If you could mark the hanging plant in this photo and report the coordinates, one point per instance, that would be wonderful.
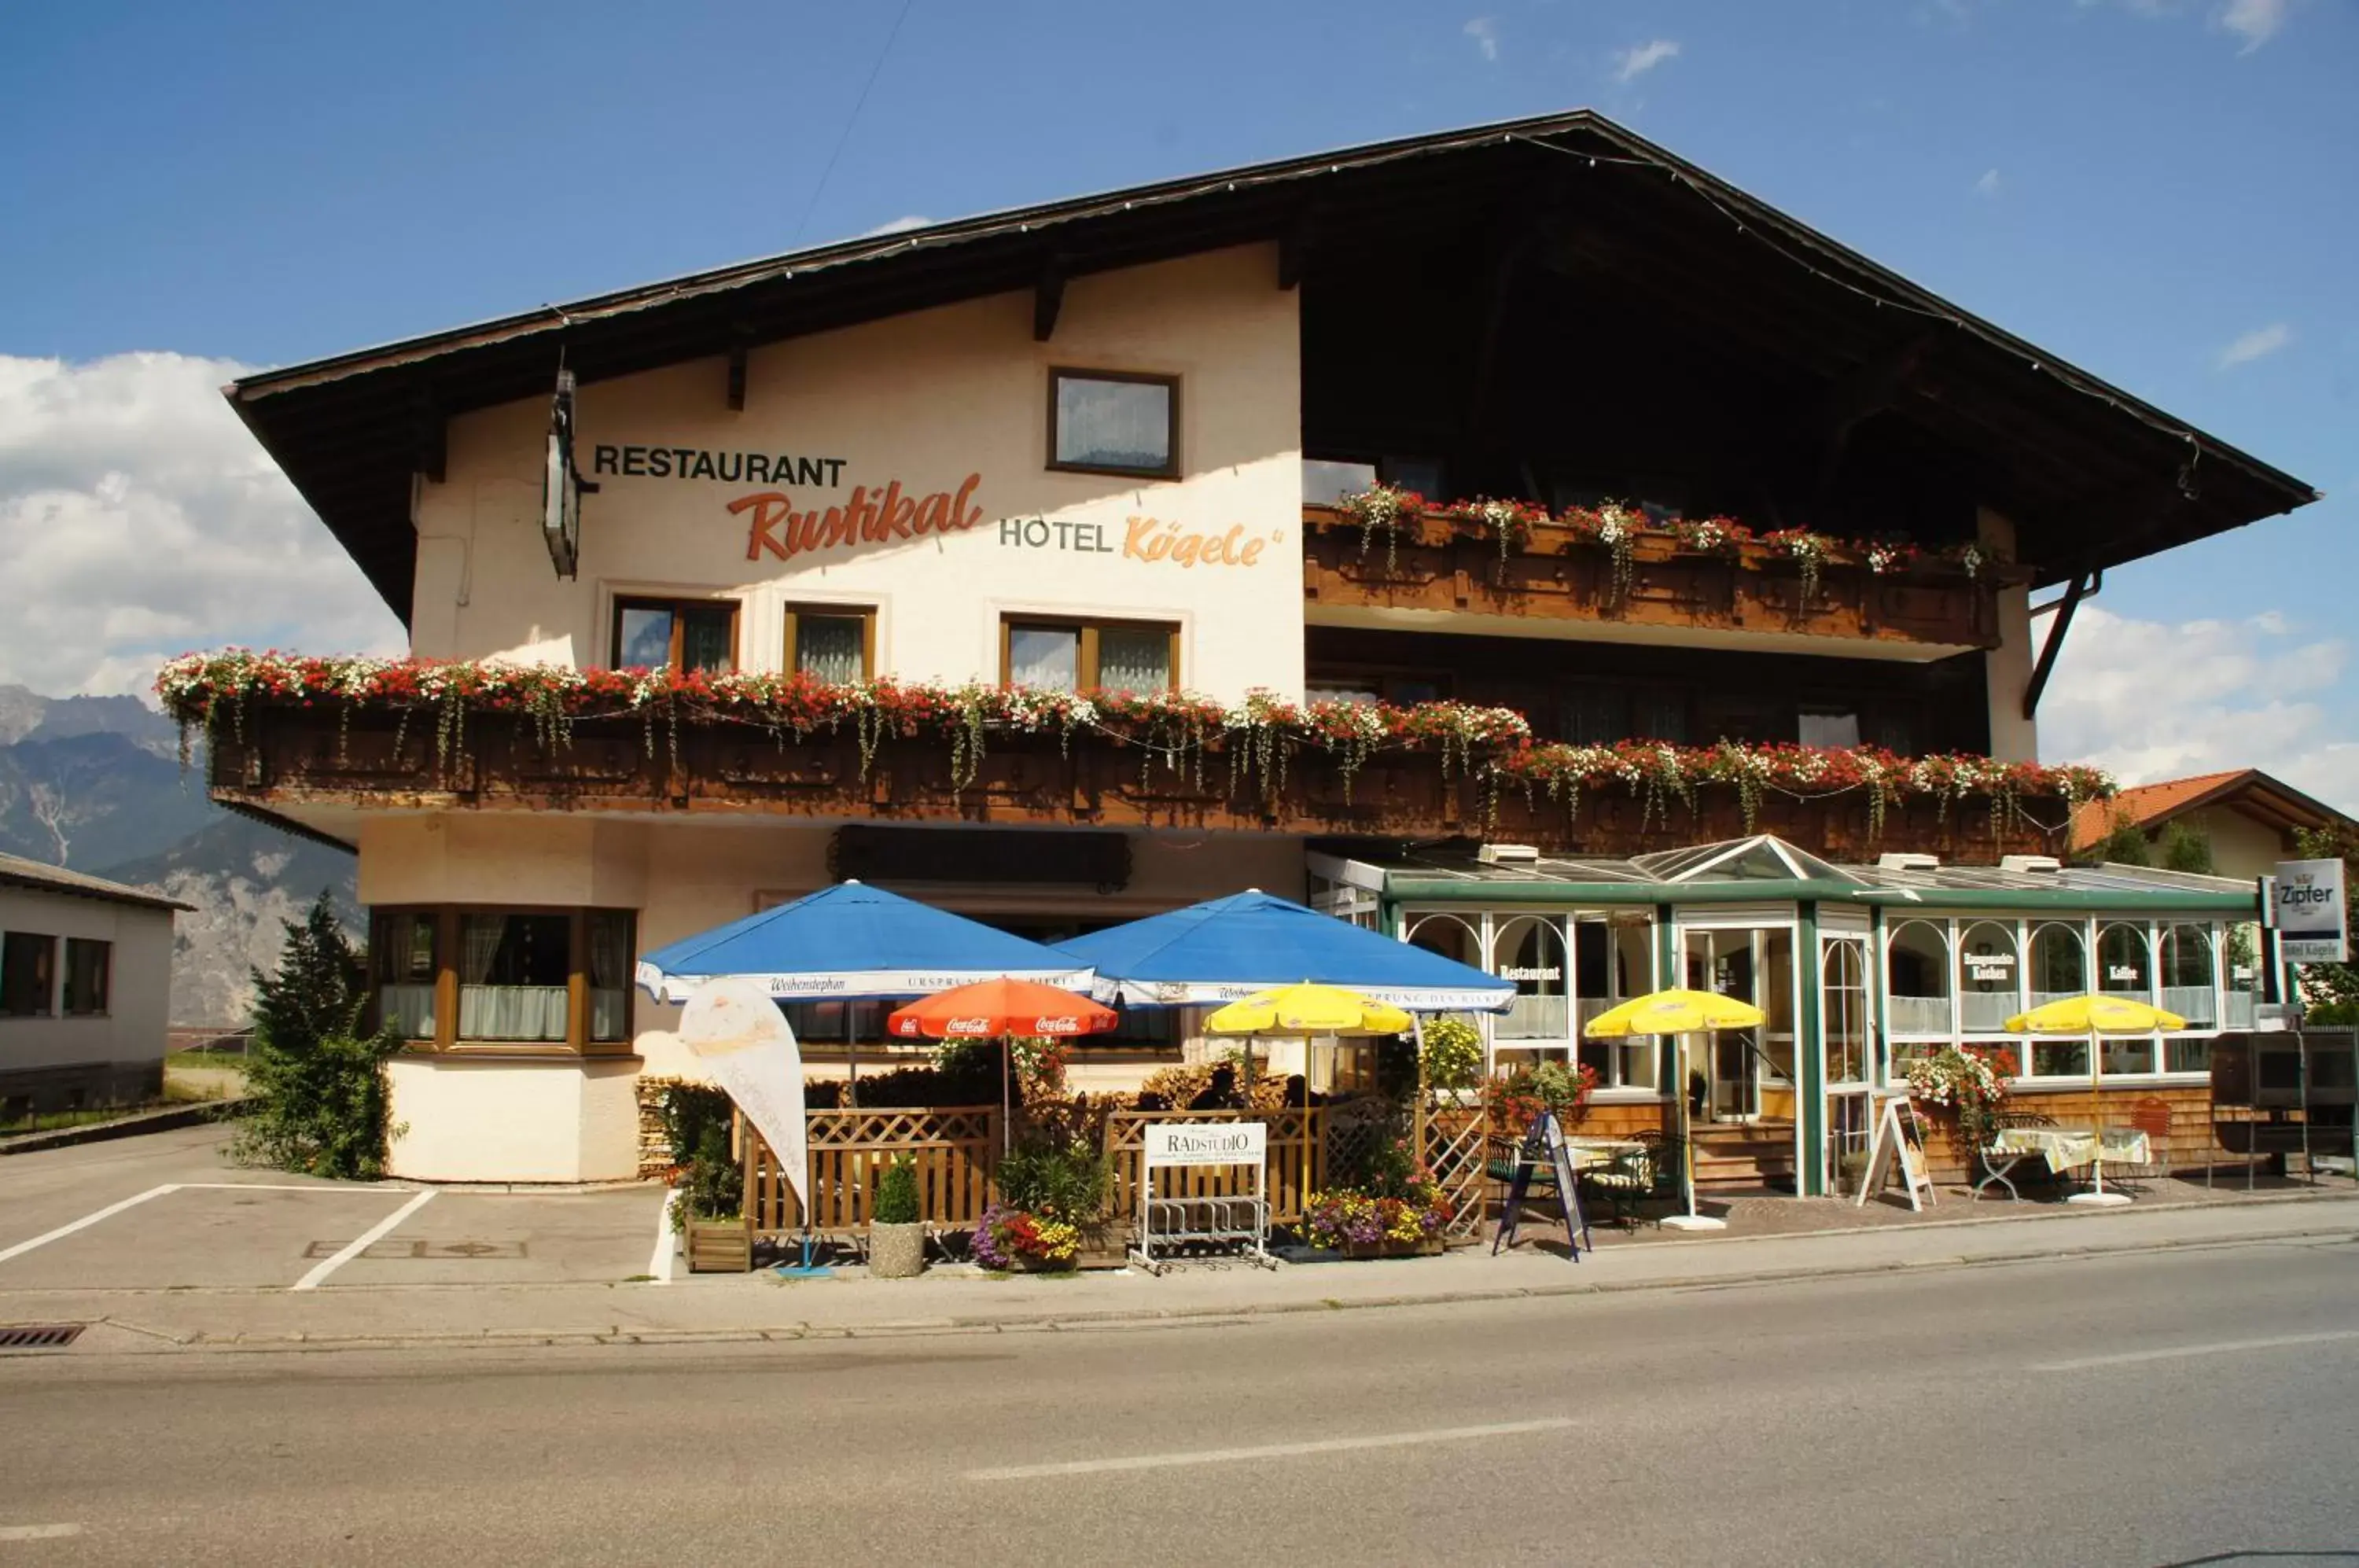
(1387, 509)
(1507, 523)
(1810, 551)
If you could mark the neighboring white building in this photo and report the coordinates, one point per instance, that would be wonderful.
(85, 989)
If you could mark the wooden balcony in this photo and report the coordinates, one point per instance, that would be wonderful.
(314, 765)
(1925, 611)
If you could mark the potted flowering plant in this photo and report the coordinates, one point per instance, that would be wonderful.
(1020, 1239)
(1969, 1082)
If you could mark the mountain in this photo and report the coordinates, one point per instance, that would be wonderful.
(243, 878)
(96, 783)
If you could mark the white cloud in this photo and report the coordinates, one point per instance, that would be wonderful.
(2258, 344)
(1988, 184)
(139, 519)
(2153, 699)
(1631, 63)
(901, 226)
(1484, 31)
(2255, 21)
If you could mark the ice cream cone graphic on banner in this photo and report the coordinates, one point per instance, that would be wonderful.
(737, 1033)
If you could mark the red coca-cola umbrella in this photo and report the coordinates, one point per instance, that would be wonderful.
(997, 1009)
(1001, 1011)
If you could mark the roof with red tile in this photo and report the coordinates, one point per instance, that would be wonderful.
(2247, 790)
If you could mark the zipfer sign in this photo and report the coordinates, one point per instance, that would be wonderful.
(2308, 903)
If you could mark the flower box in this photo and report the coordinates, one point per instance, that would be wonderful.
(719, 1247)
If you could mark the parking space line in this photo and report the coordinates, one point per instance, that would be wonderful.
(362, 1243)
(87, 1221)
(660, 1264)
(38, 1532)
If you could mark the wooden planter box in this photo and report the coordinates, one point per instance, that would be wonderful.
(719, 1247)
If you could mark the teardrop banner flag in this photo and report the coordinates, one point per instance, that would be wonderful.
(737, 1034)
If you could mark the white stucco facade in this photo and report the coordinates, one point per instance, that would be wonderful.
(55, 1055)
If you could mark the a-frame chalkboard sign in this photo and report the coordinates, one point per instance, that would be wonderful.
(1896, 1146)
(1568, 1197)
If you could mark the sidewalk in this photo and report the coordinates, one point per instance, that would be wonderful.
(952, 1300)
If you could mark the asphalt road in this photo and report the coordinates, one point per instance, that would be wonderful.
(2158, 1409)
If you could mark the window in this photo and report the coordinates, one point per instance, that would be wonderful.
(2241, 970)
(1843, 1008)
(87, 972)
(1401, 688)
(402, 961)
(1111, 421)
(462, 976)
(1326, 482)
(688, 633)
(1827, 728)
(2187, 988)
(2060, 965)
(1658, 714)
(1529, 950)
(1917, 978)
(834, 643)
(29, 975)
(1990, 990)
(1090, 656)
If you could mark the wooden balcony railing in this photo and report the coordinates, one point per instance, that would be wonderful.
(1555, 573)
(300, 761)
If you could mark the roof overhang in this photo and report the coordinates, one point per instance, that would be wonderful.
(2100, 475)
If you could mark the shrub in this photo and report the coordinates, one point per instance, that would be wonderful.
(715, 1184)
(1065, 1178)
(896, 1193)
(1516, 1098)
(322, 1105)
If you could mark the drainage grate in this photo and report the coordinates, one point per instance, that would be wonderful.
(39, 1336)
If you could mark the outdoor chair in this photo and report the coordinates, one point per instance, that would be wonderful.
(1998, 1170)
(2152, 1117)
(1621, 1185)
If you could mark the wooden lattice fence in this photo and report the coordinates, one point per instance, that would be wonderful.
(955, 1148)
(1298, 1160)
(1457, 1141)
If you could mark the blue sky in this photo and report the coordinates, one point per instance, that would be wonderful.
(2165, 191)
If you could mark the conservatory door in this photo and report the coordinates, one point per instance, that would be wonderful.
(1848, 1038)
(1744, 1075)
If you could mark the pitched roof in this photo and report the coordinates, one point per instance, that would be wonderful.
(16, 871)
(2246, 790)
(2094, 474)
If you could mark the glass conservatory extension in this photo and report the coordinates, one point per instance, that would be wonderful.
(1856, 969)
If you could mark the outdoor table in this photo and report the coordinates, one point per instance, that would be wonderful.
(2063, 1148)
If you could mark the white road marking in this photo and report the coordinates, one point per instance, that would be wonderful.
(1269, 1451)
(277, 1187)
(660, 1265)
(2184, 1352)
(37, 1532)
(87, 1221)
(362, 1243)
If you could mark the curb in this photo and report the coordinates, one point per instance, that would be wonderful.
(190, 1114)
(1114, 1320)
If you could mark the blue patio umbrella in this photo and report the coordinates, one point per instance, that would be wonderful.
(854, 943)
(1229, 948)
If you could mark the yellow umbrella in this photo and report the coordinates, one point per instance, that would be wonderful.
(1307, 1012)
(1680, 1013)
(2094, 1015)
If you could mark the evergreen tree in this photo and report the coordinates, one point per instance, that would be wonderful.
(320, 1101)
(320, 986)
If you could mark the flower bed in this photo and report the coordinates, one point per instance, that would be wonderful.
(1017, 1238)
(1362, 1223)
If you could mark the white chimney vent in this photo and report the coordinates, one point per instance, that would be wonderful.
(1502, 854)
(2026, 863)
(1898, 862)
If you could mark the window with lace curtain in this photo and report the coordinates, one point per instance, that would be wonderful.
(1114, 421)
(471, 977)
(1060, 655)
(834, 643)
